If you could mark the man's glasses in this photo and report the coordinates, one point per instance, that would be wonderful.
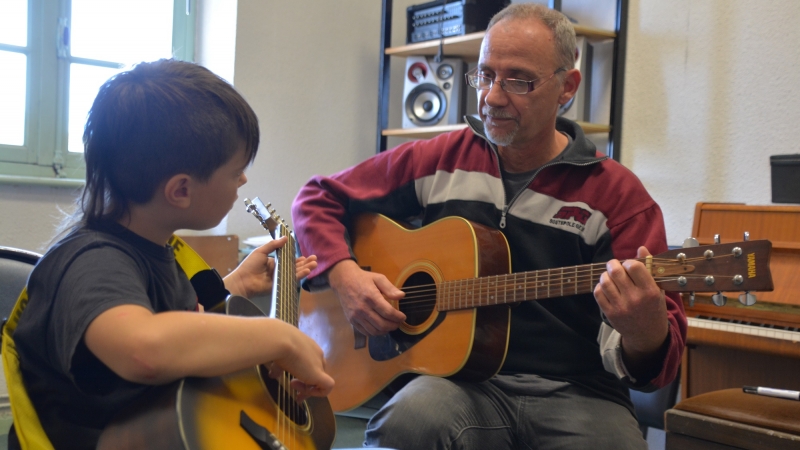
(510, 85)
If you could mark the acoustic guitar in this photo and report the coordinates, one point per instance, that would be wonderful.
(455, 275)
(242, 410)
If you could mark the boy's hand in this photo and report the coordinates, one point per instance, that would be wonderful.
(254, 275)
(306, 364)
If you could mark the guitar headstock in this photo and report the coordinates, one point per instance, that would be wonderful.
(736, 266)
(265, 214)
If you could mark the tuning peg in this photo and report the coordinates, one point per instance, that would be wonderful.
(690, 242)
(746, 236)
(691, 299)
(716, 239)
(719, 299)
(747, 299)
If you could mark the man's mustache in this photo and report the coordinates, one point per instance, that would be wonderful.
(497, 113)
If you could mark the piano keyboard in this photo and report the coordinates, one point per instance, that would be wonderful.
(788, 334)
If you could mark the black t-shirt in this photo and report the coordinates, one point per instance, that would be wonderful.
(88, 272)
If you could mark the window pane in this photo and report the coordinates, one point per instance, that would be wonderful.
(14, 22)
(84, 82)
(13, 89)
(121, 30)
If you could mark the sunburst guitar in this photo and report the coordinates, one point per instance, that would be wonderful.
(243, 410)
(455, 275)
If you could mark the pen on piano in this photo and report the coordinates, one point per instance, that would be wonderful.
(771, 392)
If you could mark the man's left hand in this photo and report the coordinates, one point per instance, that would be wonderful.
(635, 306)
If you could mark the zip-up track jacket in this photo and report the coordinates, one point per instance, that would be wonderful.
(581, 208)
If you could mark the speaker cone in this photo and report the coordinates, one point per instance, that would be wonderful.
(426, 104)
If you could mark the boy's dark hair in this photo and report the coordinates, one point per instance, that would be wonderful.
(157, 120)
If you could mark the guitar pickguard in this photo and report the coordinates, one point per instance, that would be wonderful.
(419, 306)
(388, 346)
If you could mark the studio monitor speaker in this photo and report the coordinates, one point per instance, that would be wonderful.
(576, 109)
(433, 93)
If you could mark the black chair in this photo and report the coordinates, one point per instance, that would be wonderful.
(651, 406)
(15, 266)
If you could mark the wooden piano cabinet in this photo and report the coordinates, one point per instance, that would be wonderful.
(708, 368)
(734, 345)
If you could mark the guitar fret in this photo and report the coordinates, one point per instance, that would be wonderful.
(576, 280)
(525, 286)
(562, 281)
(505, 292)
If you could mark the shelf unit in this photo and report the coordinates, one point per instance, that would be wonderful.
(468, 47)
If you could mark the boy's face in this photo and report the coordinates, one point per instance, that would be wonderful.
(215, 198)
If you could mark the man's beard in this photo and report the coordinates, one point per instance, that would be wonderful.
(503, 138)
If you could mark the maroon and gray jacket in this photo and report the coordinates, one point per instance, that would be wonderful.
(581, 208)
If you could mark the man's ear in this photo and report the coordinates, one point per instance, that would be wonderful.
(178, 190)
(572, 79)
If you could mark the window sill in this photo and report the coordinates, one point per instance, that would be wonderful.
(42, 181)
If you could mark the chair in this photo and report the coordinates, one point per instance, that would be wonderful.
(651, 406)
(15, 266)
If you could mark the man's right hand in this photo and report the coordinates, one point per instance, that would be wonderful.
(364, 296)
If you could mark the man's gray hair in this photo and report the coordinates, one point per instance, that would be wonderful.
(558, 23)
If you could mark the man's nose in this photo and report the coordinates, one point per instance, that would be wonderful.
(495, 95)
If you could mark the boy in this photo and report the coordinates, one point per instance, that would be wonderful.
(110, 313)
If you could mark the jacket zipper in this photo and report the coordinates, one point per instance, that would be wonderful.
(507, 206)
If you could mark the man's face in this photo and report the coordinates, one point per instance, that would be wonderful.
(525, 50)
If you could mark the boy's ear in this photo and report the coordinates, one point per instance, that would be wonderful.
(572, 79)
(178, 191)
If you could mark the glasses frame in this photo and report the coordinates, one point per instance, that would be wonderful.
(473, 74)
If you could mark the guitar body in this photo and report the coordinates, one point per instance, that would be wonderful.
(468, 344)
(207, 413)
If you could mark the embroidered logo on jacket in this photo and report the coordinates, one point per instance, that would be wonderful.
(572, 216)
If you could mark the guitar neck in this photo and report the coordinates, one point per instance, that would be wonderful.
(285, 289)
(518, 287)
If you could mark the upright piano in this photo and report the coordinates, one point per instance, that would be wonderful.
(736, 345)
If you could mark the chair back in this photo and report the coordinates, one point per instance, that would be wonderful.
(651, 406)
(15, 266)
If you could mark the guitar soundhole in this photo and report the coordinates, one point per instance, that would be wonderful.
(284, 400)
(420, 299)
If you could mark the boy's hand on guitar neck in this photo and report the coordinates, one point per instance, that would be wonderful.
(364, 296)
(254, 275)
(635, 306)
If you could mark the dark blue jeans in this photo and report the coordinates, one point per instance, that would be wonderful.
(436, 413)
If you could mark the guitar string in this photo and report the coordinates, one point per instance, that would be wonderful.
(290, 279)
(529, 291)
(559, 272)
(568, 276)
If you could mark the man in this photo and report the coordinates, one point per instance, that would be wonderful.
(536, 178)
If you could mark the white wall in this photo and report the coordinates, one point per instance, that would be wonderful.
(711, 91)
(309, 69)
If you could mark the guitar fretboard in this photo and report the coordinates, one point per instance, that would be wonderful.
(518, 287)
(285, 293)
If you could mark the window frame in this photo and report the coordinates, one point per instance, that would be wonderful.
(44, 158)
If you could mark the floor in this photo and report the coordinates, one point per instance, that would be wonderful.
(349, 432)
(5, 424)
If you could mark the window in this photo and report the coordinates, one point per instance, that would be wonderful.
(55, 54)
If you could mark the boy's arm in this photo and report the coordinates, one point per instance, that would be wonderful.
(148, 348)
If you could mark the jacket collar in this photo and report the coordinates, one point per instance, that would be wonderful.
(583, 151)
